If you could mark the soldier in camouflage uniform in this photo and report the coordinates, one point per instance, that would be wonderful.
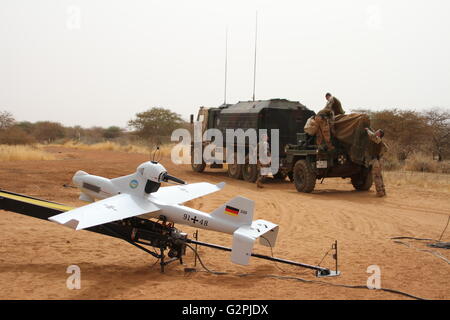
(333, 105)
(380, 148)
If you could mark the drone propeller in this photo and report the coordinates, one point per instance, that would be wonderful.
(168, 177)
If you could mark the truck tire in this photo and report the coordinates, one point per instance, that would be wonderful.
(235, 170)
(249, 171)
(363, 181)
(304, 177)
(197, 167)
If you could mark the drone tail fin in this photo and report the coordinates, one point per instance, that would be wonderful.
(244, 239)
(238, 211)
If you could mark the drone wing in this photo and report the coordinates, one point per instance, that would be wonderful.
(115, 208)
(182, 193)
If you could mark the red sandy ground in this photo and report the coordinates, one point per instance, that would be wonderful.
(35, 254)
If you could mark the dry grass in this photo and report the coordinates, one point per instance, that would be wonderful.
(424, 180)
(418, 170)
(417, 161)
(165, 150)
(107, 146)
(423, 163)
(21, 152)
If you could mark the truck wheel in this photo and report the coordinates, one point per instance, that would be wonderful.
(304, 177)
(235, 170)
(249, 171)
(363, 181)
(197, 167)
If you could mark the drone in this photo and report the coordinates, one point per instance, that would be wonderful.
(141, 193)
(137, 209)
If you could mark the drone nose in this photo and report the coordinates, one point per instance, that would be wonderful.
(80, 173)
(78, 176)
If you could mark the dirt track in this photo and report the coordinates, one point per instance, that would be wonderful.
(35, 254)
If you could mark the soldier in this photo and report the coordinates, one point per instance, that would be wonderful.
(325, 120)
(380, 148)
(333, 105)
(264, 154)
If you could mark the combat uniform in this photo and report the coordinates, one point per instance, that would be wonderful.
(335, 106)
(379, 149)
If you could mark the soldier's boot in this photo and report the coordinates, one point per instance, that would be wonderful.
(383, 189)
(379, 186)
(259, 182)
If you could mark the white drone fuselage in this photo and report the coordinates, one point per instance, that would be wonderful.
(140, 194)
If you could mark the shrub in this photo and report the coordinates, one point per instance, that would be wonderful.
(422, 163)
(14, 136)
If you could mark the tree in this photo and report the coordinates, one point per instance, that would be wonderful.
(112, 132)
(94, 134)
(439, 122)
(6, 119)
(407, 129)
(14, 135)
(46, 131)
(155, 123)
(26, 126)
(74, 133)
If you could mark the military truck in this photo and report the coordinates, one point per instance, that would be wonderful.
(287, 116)
(300, 158)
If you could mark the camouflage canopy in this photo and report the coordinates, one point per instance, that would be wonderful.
(347, 126)
(349, 130)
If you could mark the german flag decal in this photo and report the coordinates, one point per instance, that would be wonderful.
(231, 211)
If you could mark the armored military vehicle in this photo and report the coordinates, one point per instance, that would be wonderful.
(300, 157)
(287, 116)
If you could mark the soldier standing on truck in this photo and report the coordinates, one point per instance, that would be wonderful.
(380, 148)
(325, 120)
(264, 154)
(333, 105)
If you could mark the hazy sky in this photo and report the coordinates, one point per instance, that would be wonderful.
(99, 62)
